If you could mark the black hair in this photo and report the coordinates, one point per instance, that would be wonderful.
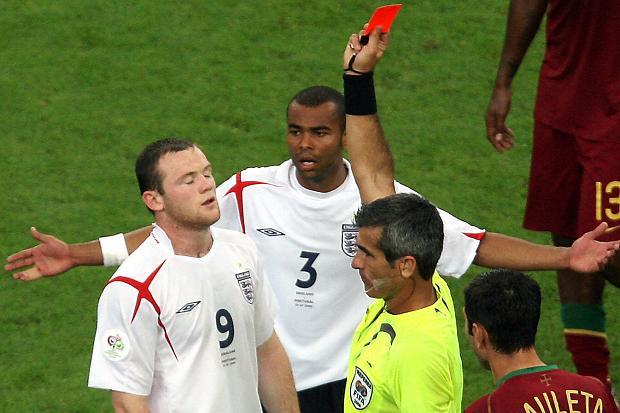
(507, 304)
(316, 96)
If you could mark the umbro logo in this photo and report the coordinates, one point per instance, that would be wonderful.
(270, 232)
(188, 307)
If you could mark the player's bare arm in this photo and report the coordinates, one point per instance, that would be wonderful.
(52, 256)
(275, 378)
(524, 17)
(586, 255)
(371, 160)
(129, 403)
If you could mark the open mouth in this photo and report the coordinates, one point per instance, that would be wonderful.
(306, 163)
(209, 202)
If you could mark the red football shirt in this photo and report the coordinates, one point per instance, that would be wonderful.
(579, 84)
(545, 389)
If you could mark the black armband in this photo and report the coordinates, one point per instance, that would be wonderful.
(359, 94)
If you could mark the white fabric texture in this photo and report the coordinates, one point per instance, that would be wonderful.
(306, 241)
(174, 317)
(113, 249)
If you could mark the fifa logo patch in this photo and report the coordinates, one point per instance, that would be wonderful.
(360, 390)
(348, 240)
(245, 283)
(115, 344)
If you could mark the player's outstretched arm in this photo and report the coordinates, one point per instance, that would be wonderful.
(129, 403)
(586, 255)
(589, 255)
(53, 256)
(275, 378)
(371, 160)
(524, 17)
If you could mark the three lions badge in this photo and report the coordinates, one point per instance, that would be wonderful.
(245, 283)
(348, 240)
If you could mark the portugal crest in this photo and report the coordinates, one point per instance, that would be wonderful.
(348, 241)
(245, 283)
(360, 390)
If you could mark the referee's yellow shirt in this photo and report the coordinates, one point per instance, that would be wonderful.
(408, 362)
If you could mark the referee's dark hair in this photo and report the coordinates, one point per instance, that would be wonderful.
(411, 226)
(507, 304)
(316, 96)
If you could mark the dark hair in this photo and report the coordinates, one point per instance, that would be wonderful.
(410, 226)
(316, 96)
(147, 173)
(507, 304)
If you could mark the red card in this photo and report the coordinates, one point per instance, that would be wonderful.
(383, 16)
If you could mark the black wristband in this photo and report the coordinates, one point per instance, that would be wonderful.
(359, 95)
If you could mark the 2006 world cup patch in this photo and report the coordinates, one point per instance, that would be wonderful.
(115, 345)
(360, 390)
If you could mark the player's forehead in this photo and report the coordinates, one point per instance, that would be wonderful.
(323, 115)
(190, 160)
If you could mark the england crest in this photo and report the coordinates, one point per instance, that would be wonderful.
(245, 283)
(348, 241)
(360, 390)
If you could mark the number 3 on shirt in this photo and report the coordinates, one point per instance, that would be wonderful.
(310, 257)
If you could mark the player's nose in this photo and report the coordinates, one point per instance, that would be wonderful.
(306, 141)
(206, 183)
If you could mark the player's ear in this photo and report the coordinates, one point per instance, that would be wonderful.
(480, 336)
(153, 200)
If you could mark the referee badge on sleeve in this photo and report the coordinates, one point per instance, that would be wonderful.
(360, 390)
(115, 345)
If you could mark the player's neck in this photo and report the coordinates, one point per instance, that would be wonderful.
(414, 296)
(503, 364)
(324, 183)
(189, 242)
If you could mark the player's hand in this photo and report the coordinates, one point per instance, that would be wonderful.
(51, 257)
(587, 255)
(366, 56)
(500, 135)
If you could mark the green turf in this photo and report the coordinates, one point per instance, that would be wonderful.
(85, 85)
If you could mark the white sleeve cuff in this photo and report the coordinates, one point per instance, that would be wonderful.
(113, 249)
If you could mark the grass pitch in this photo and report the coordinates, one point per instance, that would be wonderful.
(85, 85)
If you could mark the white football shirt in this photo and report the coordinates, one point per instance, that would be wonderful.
(306, 240)
(184, 330)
